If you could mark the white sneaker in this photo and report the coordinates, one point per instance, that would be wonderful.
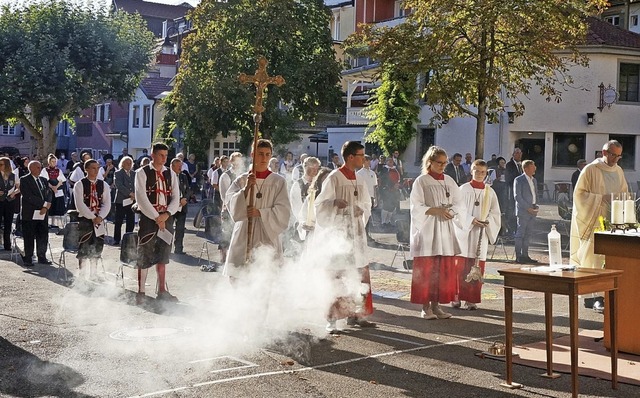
(331, 327)
(437, 311)
(428, 314)
(456, 304)
(470, 306)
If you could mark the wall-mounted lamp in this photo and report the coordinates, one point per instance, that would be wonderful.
(590, 118)
(511, 116)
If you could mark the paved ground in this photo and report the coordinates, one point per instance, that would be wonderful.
(57, 340)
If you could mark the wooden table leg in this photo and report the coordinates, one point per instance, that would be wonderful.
(508, 322)
(548, 328)
(613, 320)
(573, 332)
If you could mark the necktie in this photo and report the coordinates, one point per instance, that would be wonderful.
(40, 187)
(457, 174)
(94, 203)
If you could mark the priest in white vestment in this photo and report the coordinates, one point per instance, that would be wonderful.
(343, 208)
(436, 205)
(271, 211)
(591, 199)
(483, 210)
(300, 189)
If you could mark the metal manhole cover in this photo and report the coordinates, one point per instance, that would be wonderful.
(146, 334)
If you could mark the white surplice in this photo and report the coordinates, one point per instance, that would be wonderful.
(275, 211)
(468, 235)
(334, 226)
(432, 235)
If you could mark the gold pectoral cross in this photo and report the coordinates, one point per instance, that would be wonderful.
(261, 80)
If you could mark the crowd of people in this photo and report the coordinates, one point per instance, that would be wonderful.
(456, 209)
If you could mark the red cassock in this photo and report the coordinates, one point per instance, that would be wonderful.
(434, 279)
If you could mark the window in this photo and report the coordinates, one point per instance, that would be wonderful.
(628, 160)
(147, 116)
(423, 81)
(568, 148)
(613, 20)
(426, 138)
(633, 20)
(226, 149)
(7, 129)
(399, 9)
(102, 113)
(628, 82)
(135, 122)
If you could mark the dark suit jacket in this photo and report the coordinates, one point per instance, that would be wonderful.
(522, 195)
(511, 172)
(33, 198)
(185, 192)
(450, 170)
(124, 185)
(574, 178)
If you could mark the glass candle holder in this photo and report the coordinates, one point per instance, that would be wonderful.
(617, 208)
(630, 208)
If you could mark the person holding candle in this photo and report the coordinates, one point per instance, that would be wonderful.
(525, 195)
(436, 205)
(592, 199)
(300, 188)
(482, 228)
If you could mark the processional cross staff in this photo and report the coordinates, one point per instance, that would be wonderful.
(261, 80)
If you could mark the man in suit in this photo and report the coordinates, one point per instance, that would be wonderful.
(454, 169)
(36, 201)
(574, 177)
(181, 215)
(525, 195)
(335, 162)
(512, 170)
(125, 191)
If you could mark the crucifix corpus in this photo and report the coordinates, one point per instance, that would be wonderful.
(261, 80)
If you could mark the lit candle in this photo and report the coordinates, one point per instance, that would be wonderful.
(629, 212)
(617, 212)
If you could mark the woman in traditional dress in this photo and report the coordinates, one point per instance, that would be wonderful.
(435, 205)
(7, 196)
(56, 179)
(483, 210)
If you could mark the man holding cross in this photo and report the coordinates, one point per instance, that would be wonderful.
(270, 211)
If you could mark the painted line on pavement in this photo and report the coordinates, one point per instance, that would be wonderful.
(245, 364)
(326, 365)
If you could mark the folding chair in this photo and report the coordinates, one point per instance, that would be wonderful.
(70, 244)
(15, 250)
(499, 241)
(212, 235)
(128, 254)
(402, 236)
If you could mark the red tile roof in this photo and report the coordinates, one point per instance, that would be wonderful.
(150, 9)
(602, 33)
(153, 86)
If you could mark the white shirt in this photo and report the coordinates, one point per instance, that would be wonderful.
(532, 187)
(144, 204)
(78, 175)
(84, 210)
(370, 179)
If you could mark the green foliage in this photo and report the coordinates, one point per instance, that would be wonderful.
(60, 58)
(393, 111)
(476, 49)
(293, 35)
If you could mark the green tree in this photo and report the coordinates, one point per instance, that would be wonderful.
(393, 111)
(293, 35)
(474, 50)
(59, 58)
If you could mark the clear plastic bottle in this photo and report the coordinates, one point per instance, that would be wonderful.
(555, 246)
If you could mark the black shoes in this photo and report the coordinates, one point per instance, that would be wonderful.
(526, 260)
(44, 261)
(27, 262)
(363, 323)
(166, 296)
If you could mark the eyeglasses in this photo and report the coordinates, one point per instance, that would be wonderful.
(443, 163)
(613, 155)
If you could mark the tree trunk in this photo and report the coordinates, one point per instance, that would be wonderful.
(480, 122)
(47, 144)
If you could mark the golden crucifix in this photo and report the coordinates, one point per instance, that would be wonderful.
(261, 80)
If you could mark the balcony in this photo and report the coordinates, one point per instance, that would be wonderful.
(390, 23)
(356, 116)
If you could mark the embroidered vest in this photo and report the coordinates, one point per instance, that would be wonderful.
(152, 186)
(86, 191)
